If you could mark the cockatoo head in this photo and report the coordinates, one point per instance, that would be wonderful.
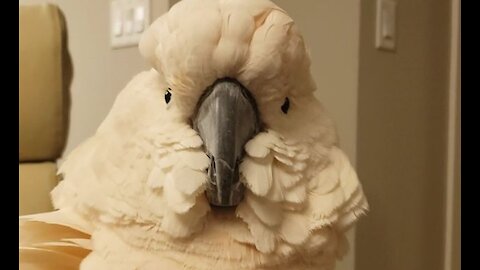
(230, 70)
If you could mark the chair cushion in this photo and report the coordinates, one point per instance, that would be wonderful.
(36, 180)
(45, 75)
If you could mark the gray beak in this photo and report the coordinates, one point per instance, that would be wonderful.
(226, 118)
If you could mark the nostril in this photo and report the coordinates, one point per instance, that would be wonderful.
(211, 182)
(214, 168)
(212, 172)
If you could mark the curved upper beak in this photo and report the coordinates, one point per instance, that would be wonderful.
(226, 118)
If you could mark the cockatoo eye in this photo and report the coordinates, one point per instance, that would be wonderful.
(168, 95)
(286, 105)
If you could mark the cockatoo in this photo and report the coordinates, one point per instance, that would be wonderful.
(219, 157)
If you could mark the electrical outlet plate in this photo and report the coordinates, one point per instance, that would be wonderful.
(128, 20)
(385, 36)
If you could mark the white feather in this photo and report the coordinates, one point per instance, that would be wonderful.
(324, 205)
(259, 146)
(270, 213)
(294, 229)
(286, 178)
(326, 181)
(155, 201)
(183, 225)
(194, 158)
(189, 182)
(258, 174)
(284, 151)
(296, 194)
(156, 178)
(167, 161)
(231, 50)
(191, 142)
(239, 232)
(276, 192)
(177, 201)
(283, 159)
(264, 238)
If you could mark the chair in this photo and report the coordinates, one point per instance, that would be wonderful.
(45, 74)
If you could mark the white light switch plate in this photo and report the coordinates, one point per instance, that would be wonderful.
(128, 20)
(386, 17)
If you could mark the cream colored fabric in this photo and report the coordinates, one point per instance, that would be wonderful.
(44, 71)
(67, 244)
(36, 180)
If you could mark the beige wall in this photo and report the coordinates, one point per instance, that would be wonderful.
(402, 127)
(99, 72)
(331, 31)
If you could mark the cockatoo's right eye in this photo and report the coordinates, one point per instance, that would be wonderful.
(168, 95)
(286, 105)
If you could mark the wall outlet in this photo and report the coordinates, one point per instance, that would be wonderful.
(386, 17)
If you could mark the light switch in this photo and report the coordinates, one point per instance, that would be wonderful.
(128, 21)
(117, 28)
(385, 37)
(116, 20)
(129, 18)
(139, 18)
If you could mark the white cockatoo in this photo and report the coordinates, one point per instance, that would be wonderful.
(219, 157)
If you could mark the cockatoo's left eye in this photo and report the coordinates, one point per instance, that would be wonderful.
(286, 105)
(168, 95)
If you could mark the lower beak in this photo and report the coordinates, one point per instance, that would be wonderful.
(226, 119)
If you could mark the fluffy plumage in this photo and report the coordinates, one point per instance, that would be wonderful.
(132, 194)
